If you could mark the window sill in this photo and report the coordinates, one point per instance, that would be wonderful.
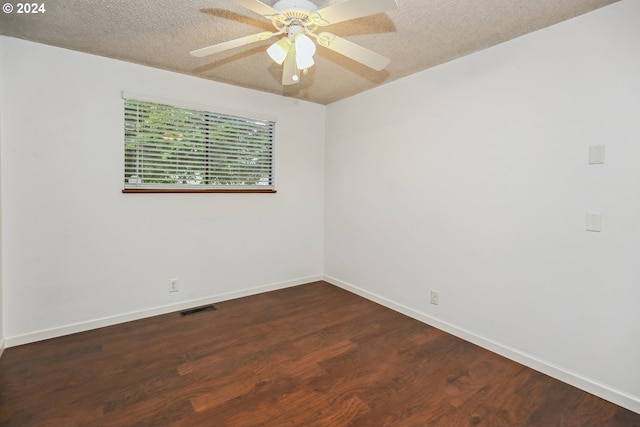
(194, 190)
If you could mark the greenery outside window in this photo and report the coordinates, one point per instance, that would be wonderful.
(173, 149)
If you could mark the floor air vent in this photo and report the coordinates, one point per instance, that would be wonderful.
(197, 310)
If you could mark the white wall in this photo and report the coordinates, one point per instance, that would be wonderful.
(472, 179)
(78, 253)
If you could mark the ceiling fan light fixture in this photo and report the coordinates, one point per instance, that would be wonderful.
(305, 49)
(279, 50)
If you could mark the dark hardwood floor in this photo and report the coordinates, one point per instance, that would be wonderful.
(312, 355)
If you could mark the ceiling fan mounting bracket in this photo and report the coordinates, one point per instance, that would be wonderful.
(300, 5)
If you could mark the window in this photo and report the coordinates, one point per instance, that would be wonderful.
(172, 149)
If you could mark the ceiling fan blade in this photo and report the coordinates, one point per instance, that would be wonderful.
(290, 72)
(258, 7)
(354, 51)
(221, 47)
(350, 9)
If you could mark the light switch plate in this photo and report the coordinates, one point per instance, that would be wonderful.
(596, 154)
(594, 221)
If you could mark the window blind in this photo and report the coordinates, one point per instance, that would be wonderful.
(168, 147)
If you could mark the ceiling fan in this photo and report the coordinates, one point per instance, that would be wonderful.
(297, 22)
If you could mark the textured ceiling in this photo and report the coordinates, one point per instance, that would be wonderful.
(160, 33)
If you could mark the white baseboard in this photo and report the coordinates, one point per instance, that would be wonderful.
(2, 343)
(136, 315)
(589, 385)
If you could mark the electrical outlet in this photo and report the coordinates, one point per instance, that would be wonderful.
(435, 297)
(173, 285)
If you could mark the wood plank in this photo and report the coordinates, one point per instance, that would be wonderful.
(311, 355)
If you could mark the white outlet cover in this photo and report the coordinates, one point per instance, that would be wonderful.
(434, 298)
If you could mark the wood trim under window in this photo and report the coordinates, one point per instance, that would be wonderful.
(195, 190)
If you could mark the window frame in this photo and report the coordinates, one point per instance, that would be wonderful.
(207, 111)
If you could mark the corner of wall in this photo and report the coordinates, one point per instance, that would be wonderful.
(2, 342)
